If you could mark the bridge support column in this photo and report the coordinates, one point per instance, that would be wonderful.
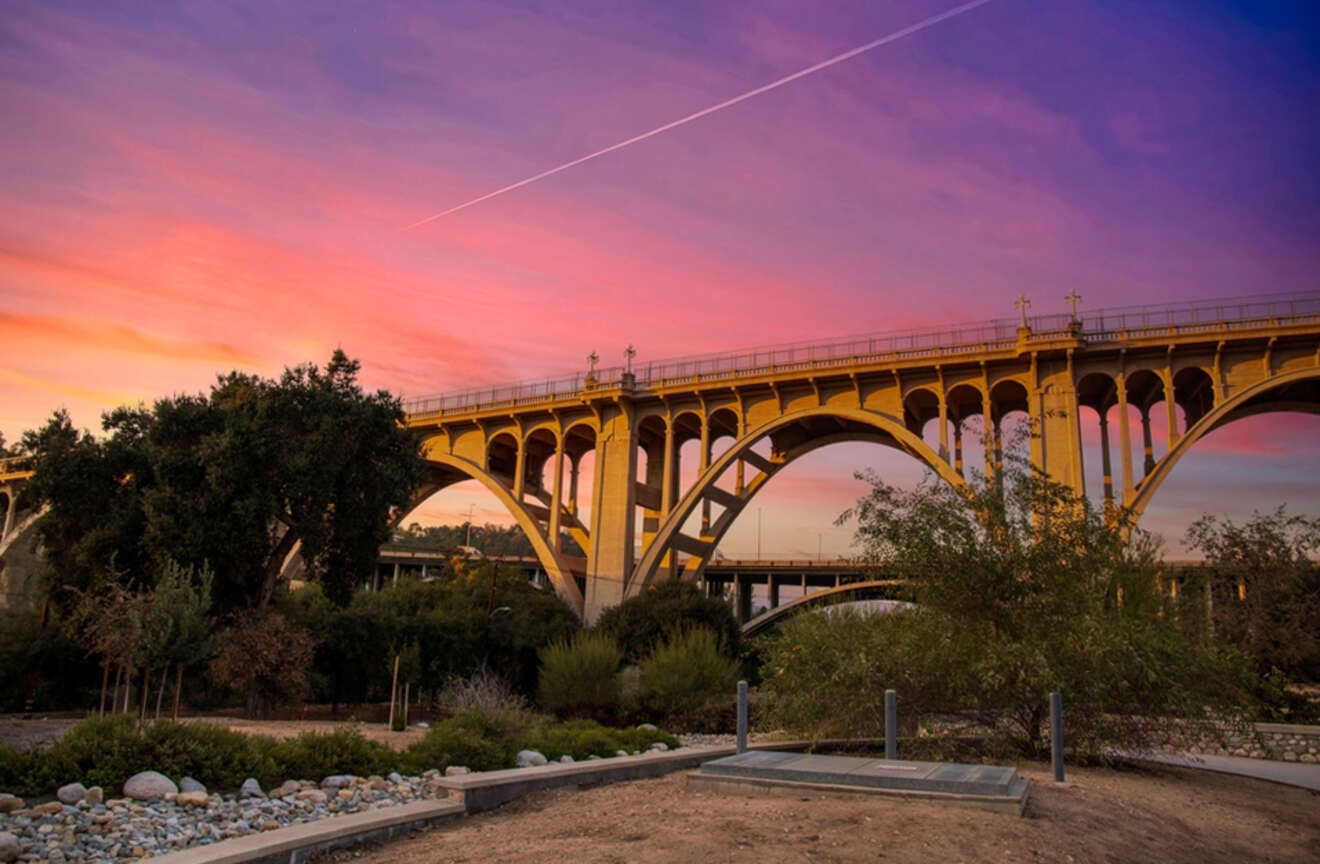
(774, 590)
(1104, 460)
(9, 516)
(557, 498)
(613, 513)
(1061, 433)
(957, 449)
(1125, 440)
(668, 493)
(944, 427)
(1169, 409)
(1149, 464)
(705, 463)
(573, 467)
(987, 435)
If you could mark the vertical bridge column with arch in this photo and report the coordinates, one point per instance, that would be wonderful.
(650, 516)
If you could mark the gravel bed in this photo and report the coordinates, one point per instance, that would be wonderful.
(121, 829)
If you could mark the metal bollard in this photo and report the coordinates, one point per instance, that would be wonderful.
(1056, 734)
(891, 724)
(742, 716)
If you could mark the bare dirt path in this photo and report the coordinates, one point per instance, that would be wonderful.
(1148, 814)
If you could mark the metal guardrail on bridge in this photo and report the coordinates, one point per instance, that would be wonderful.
(1098, 325)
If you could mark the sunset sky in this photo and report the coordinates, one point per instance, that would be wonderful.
(213, 186)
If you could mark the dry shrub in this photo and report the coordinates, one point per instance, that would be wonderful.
(266, 658)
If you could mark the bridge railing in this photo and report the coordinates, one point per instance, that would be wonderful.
(1096, 325)
(15, 464)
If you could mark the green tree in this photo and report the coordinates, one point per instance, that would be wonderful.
(1022, 588)
(665, 610)
(179, 629)
(235, 481)
(1268, 587)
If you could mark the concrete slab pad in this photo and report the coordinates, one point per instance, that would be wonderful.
(1015, 802)
(945, 778)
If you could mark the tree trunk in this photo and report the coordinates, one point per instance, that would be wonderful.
(114, 697)
(178, 682)
(146, 687)
(105, 679)
(160, 692)
(394, 691)
(406, 685)
(128, 687)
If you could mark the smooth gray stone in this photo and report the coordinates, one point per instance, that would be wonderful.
(149, 784)
(71, 793)
(530, 758)
(188, 784)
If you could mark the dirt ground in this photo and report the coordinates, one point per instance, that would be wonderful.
(27, 732)
(1148, 814)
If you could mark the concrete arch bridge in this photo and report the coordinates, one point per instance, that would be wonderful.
(1180, 369)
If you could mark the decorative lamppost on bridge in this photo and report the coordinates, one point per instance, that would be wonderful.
(1075, 325)
(1022, 304)
(592, 359)
(628, 354)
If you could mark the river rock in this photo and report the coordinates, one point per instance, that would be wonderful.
(288, 787)
(566, 758)
(316, 796)
(10, 803)
(188, 784)
(50, 808)
(149, 784)
(456, 771)
(649, 727)
(336, 781)
(192, 799)
(71, 793)
(94, 796)
(660, 746)
(395, 777)
(529, 758)
(250, 789)
(620, 752)
(9, 848)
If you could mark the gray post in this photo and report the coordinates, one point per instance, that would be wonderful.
(742, 716)
(1056, 734)
(891, 724)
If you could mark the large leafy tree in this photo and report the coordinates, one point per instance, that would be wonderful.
(1022, 588)
(236, 481)
(1266, 579)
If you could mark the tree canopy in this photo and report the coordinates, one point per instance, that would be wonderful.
(1022, 588)
(234, 481)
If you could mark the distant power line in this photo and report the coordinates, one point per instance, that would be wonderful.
(801, 73)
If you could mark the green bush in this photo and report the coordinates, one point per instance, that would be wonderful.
(583, 738)
(313, 755)
(580, 676)
(479, 741)
(684, 672)
(666, 609)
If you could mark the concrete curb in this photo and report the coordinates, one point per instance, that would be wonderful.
(298, 843)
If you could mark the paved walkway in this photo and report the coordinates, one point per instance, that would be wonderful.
(1291, 773)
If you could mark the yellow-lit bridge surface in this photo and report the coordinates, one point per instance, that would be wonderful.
(1201, 364)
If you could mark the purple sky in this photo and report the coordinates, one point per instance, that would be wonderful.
(223, 185)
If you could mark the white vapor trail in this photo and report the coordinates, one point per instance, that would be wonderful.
(801, 73)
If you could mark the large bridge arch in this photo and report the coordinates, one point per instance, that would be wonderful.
(1295, 391)
(445, 469)
(805, 425)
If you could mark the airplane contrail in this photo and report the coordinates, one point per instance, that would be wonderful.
(801, 73)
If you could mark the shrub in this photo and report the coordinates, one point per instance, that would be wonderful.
(484, 691)
(266, 658)
(479, 741)
(684, 672)
(580, 676)
(663, 611)
(583, 738)
(312, 755)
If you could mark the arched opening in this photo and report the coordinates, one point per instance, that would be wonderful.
(1145, 390)
(502, 457)
(1012, 423)
(539, 463)
(1194, 393)
(1098, 392)
(791, 436)
(650, 437)
(966, 408)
